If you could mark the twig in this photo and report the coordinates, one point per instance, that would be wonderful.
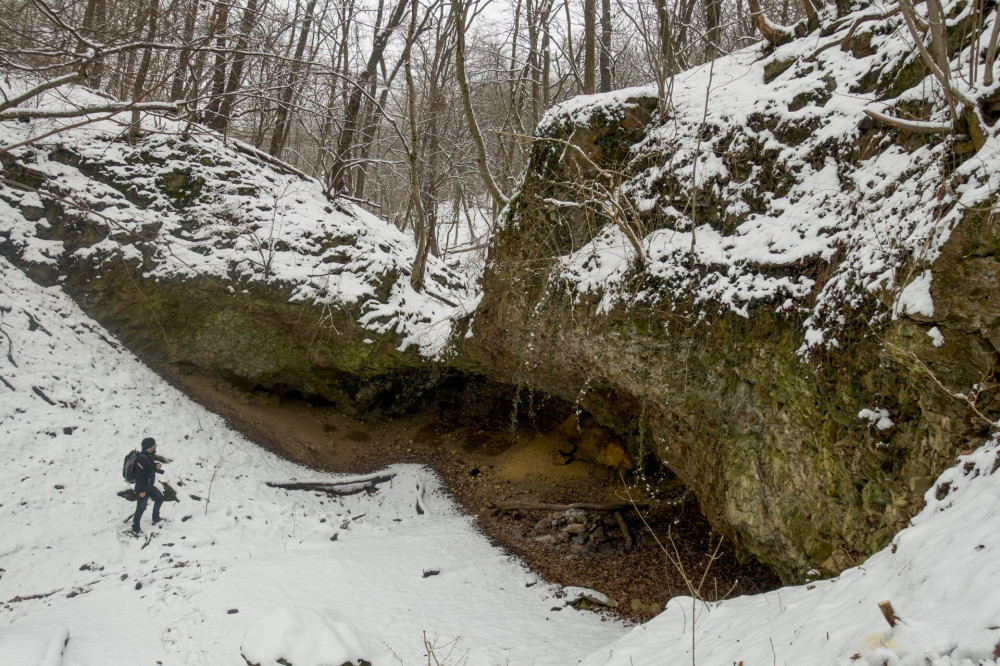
(888, 613)
(624, 528)
(969, 399)
(675, 559)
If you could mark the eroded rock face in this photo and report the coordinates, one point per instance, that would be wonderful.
(257, 338)
(776, 443)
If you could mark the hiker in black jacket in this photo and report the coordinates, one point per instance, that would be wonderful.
(146, 469)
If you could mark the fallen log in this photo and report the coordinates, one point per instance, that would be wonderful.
(505, 507)
(335, 488)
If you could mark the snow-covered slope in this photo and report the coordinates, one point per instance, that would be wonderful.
(235, 551)
(767, 167)
(182, 202)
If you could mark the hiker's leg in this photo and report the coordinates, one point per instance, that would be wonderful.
(140, 506)
(157, 496)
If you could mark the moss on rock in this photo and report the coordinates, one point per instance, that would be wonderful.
(771, 444)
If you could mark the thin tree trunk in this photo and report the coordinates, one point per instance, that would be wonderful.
(744, 22)
(482, 163)
(283, 120)
(368, 138)
(353, 110)
(532, 65)
(419, 222)
(515, 40)
(220, 24)
(95, 22)
(569, 46)
(713, 12)
(606, 45)
(589, 44)
(680, 33)
(138, 88)
(546, 56)
(668, 61)
(991, 50)
(184, 57)
(247, 22)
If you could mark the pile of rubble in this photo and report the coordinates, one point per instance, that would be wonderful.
(579, 532)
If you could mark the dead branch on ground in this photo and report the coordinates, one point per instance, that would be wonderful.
(335, 488)
(506, 507)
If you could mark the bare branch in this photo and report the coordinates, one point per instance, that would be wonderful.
(75, 77)
(912, 126)
(113, 108)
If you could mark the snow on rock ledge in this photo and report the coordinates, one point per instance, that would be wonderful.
(183, 205)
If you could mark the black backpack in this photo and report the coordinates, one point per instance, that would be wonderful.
(128, 468)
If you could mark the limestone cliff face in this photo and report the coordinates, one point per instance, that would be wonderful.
(805, 388)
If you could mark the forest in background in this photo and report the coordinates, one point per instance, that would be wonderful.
(377, 99)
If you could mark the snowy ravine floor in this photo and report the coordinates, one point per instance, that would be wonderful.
(73, 402)
(252, 567)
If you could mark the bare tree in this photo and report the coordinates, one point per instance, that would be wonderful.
(353, 109)
(589, 43)
(139, 91)
(281, 125)
(249, 18)
(606, 45)
(459, 9)
(420, 217)
(219, 25)
(184, 67)
(713, 32)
